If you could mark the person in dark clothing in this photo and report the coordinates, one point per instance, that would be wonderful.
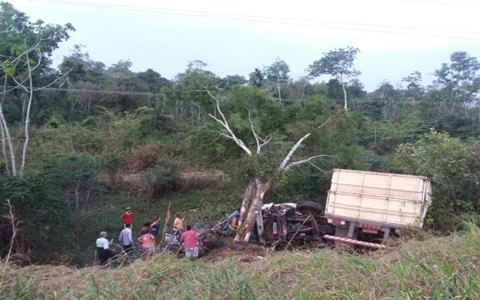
(104, 252)
(155, 227)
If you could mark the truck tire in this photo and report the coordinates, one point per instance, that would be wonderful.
(306, 206)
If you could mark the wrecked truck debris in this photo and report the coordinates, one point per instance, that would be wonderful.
(363, 209)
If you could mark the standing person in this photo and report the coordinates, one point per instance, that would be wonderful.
(127, 217)
(155, 227)
(189, 242)
(178, 225)
(126, 239)
(104, 252)
(148, 242)
(145, 228)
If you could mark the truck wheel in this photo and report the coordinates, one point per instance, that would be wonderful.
(306, 206)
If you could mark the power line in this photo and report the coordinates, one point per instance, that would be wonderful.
(108, 92)
(354, 101)
(385, 29)
(444, 3)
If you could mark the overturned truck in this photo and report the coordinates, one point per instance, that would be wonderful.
(367, 207)
(363, 208)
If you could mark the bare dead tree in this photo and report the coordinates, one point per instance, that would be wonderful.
(257, 188)
(10, 216)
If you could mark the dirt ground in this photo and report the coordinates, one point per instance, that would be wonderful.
(243, 252)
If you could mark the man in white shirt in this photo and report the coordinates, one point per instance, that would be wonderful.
(104, 253)
(126, 239)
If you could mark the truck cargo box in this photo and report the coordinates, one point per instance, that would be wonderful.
(384, 199)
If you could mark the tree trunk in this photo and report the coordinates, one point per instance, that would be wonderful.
(279, 92)
(344, 96)
(6, 136)
(252, 202)
(27, 118)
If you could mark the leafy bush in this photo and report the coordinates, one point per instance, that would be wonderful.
(454, 171)
(159, 181)
(142, 157)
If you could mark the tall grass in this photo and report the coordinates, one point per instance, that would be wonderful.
(435, 268)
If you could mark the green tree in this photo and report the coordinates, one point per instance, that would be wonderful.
(453, 169)
(231, 81)
(186, 98)
(83, 77)
(458, 79)
(256, 78)
(154, 80)
(299, 90)
(128, 91)
(25, 51)
(389, 98)
(337, 63)
(267, 154)
(71, 185)
(414, 90)
(277, 75)
(78, 66)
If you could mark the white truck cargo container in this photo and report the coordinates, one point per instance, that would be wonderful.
(366, 207)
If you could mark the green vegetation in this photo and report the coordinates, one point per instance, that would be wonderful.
(422, 268)
(81, 143)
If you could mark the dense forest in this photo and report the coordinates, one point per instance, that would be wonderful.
(82, 141)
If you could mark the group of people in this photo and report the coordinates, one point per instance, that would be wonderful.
(188, 238)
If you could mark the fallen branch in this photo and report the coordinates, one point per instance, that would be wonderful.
(14, 224)
(167, 218)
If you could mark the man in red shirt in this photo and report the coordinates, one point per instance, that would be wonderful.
(189, 242)
(127, 217)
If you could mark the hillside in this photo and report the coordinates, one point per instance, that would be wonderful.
(83, 141)
(423, 267)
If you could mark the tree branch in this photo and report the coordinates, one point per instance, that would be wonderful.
(307, 160)
(257, 138)
(225, 125)
(291, 152)
(324, 123)
(318, 168)
(284, 166)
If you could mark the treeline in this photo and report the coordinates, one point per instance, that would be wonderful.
(75, 136)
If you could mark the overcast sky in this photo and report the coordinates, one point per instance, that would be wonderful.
(395, 37)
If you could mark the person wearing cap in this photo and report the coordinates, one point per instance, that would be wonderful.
(127, 217)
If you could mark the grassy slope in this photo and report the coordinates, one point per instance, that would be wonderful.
(435, 268)
(200, 208)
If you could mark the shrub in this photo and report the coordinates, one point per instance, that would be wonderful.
(159, 181)
(454, 171)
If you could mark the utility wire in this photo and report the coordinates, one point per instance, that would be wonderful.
(353, 101)
(386, 29)
(445, 3)
(108, 92)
